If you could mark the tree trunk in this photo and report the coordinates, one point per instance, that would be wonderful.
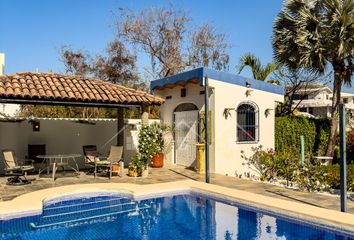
(337, 86)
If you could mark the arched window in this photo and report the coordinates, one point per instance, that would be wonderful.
(247, 123)
(185, 107)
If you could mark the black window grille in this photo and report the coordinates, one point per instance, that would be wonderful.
(247, 123)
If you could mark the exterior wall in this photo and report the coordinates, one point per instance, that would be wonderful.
(64, 136)
(321, 111)
(2, 63)
(9, 109)
(227, 152)
(192, 96)
(350, 101)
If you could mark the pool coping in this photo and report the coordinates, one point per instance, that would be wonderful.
(331, 219)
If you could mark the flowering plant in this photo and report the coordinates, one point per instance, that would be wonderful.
(136, 167)
(151, 141)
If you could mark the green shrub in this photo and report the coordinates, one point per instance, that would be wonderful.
(270, 165)
(263, 162)
(350, 147)
(333, 176)
(288, 130)
(311, 177)
(323, 127)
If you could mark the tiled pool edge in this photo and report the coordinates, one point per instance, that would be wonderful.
(330, 219)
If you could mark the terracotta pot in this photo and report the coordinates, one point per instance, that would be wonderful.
(157, 160)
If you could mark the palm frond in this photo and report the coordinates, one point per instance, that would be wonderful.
(251, 61)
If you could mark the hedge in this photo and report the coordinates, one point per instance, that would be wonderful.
(333, 176)
(288, 130)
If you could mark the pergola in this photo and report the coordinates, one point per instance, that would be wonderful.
(67, 90)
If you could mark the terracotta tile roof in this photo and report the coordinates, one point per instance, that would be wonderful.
(60, 87)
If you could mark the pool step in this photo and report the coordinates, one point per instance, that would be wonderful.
(75, 212)
(84, 206)
(82, 202)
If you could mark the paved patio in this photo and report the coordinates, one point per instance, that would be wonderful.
(174, 173)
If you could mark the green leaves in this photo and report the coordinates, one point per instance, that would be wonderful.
(313, 33)
(259, 72)
(310, 34)
(289, 129)
(151, 141)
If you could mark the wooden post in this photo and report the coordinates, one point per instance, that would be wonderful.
(120, 126)
(144, 115)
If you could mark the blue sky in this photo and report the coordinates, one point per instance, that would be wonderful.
(32, 31)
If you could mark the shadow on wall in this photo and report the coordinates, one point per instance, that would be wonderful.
(67, 136)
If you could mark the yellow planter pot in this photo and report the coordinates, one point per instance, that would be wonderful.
(200, 157)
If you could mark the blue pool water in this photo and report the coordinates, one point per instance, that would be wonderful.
(186, 216)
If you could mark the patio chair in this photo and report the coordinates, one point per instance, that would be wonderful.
(115, 156)
(16, 168)
(95, 159)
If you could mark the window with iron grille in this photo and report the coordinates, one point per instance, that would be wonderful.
(247, 123)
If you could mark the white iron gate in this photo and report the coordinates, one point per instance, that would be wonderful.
(186, 134)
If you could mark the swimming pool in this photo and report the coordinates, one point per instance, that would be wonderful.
(183, 216)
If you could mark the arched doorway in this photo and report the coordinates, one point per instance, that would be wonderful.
(186, 134)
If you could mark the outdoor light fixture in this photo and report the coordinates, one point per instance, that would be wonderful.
(227, 113)
(36, 126)
(248, 92)
(248, 84)
(267, 112)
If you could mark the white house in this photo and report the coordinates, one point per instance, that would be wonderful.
(316, 100)
(241, 116)
(8, 110)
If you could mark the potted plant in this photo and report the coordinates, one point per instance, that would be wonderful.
(152, 143)
(135, 167)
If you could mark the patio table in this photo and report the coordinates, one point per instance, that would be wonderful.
(58, 160)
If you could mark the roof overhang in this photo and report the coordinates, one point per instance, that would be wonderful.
(70, 90)
(65, 103)
(198, 75)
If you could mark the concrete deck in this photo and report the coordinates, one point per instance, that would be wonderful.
(175, 173)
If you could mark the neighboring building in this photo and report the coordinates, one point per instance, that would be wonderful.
(316, 99)
(241, 113)
(6, 109)
(2, 64)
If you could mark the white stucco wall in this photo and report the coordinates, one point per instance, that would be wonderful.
(227, 151)
(65, 137)
(9, 109)
(192, 96)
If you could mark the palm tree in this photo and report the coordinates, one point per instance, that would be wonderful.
(259, 72)
(316, 34)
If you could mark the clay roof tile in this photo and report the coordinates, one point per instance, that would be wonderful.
(48, 86)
